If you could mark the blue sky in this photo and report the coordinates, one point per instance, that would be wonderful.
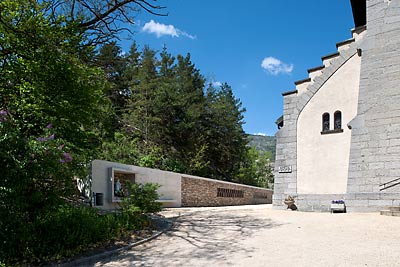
(259, 47)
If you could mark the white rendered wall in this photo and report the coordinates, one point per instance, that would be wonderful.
(323, 159)
(170, 182)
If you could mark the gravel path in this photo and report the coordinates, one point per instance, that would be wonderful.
(260, 236)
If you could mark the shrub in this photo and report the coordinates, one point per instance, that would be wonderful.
(61, 233)
(140, 202)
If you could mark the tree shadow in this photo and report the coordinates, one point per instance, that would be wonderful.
(208, 236)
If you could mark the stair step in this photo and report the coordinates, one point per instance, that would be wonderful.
(302, 81)
(315, 72)
(315, 69)
(390, 213)
(345, 44)
(356, 32)
(326, 60)
(301, 85)
(394, 208)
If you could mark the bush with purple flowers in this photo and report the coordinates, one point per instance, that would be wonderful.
(36, 178)
(51, 109)
(3, 115)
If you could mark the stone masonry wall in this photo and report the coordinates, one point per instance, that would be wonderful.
(375, 144)
(285, 183)
(203, 192)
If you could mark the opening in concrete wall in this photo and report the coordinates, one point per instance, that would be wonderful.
(119, 183)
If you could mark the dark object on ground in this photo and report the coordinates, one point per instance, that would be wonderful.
(289, 201)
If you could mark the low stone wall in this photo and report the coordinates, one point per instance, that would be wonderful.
(355, 202)
(203, 192)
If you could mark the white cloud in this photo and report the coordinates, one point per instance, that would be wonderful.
(262, 134)
(160, 29)
(216, 84)
(274, 66)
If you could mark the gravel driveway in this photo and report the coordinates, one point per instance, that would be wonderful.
(260, 236)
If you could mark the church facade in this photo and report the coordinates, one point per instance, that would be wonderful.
(339, 136)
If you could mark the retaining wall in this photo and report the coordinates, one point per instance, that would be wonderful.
(200, 192)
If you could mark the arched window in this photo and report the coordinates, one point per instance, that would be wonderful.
(337, 120)
(325, 122)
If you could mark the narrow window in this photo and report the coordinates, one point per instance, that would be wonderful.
(338, 120)
(325, 122)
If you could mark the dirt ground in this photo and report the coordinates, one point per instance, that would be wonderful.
(261, 236)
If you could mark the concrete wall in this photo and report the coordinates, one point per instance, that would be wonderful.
(170, 182)
(323, 159)
(176, 189)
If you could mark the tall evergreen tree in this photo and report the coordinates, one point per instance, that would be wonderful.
(140, 119)
(176, 125)
(224, 131)
(113, 63)
(188, 111)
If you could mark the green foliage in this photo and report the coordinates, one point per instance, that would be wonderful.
(173, 122)
(120, 149)
(224, 133)
(63, 232)
(37, 171)
(81, 228)
(141, 201)
(138, 108)
(264, 144)
(256, 170)
(46, 80)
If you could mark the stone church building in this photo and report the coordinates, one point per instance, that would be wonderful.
(339, 136)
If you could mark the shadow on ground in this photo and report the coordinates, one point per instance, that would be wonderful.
(209, 236)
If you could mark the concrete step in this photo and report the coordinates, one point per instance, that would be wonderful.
(358, 32)
(344, 45)
(326, 60)
(301, 86)
(394, 208)
(315, 72)
(390, 213)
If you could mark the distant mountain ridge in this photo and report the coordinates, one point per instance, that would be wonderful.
(263, 143)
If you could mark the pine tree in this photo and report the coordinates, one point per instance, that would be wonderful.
(140, 119)
(113, 63)
(224, 132)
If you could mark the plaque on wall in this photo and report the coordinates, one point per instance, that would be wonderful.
(285, 169)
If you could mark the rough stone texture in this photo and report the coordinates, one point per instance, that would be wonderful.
(286, 152)
(202, 192)
(317, 202)
(375, 147)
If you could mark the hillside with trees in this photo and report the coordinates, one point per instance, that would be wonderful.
(264, 144)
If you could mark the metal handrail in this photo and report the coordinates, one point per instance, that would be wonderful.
(386, 187)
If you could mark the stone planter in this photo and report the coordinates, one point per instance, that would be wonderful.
(338, 207)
